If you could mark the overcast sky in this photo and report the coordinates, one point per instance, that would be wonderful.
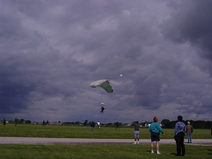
(51, 50)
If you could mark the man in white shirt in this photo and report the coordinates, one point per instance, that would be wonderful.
(98, 124)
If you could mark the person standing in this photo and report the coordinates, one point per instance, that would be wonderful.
(4, 122)
(189, 131)
(155, 130)
(117, 125)
(136, 132)
(92, 125)
(98, 124)
(47, 123)
(179, 136)
(16, 121)
(85, 123)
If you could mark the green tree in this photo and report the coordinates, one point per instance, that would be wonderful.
(109, 124)
(28, 122)
(22, 120)
(165, 123)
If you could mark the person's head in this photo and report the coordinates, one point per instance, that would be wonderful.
(136, 122)
(180, 118)
(155, 119)
(188, 122)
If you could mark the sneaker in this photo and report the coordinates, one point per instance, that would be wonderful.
(137, 142)
(158, 152)
(134, 142)
(152, 151)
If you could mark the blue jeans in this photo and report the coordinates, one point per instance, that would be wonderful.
(136, 134)
(189, 138)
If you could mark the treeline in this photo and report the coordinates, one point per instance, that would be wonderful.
(89, 122)
(20, 121)
(199, 124)
(166, 123)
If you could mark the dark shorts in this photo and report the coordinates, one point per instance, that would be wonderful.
(155, 136)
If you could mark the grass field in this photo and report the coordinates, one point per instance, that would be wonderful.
(18, 151)
(99, 151)
(55, 131)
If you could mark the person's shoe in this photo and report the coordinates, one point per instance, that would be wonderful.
(158, 152)
(152, 151)
(137, 142)
(134, 142)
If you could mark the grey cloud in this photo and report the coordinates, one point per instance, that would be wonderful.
(191, 21)
(51, 52)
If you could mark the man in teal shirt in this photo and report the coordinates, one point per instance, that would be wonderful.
(155, 130)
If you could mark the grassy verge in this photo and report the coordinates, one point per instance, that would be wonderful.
(99, 151)
(55, 131)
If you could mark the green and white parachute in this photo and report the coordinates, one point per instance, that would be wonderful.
(105, 84)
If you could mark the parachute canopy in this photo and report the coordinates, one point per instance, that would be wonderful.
(105, 84)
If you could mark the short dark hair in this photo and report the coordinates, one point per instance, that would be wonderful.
(180, 118)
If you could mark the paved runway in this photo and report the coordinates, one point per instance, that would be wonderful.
(76, 141)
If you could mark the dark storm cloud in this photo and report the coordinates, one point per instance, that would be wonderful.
(191, 21)
(13, 97)
(28, 63)
(52, 51)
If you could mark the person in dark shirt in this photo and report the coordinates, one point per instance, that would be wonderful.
(4, 123)
(136, 132)
(179, 136)
(92, 125)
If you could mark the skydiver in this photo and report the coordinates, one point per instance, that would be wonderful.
(102, 109)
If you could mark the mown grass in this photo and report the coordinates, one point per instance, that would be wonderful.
(18, 151)
(56, 131)
(99, 151)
